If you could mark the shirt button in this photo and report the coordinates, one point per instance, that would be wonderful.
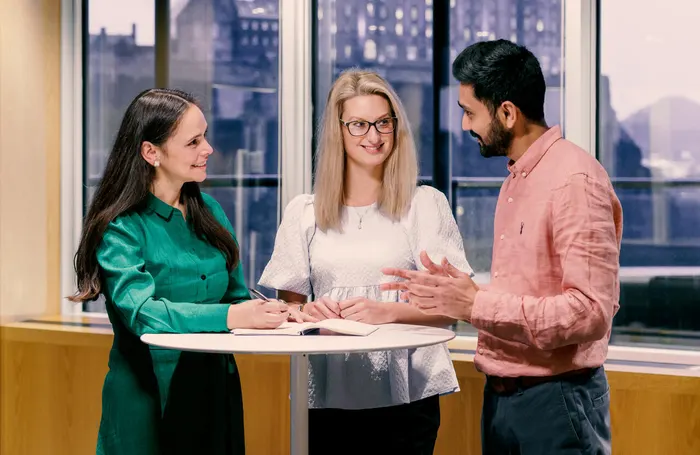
(495, 274)
(481, 351)
(204, 277)
(524, 174)
(510, 199)
(503, 236)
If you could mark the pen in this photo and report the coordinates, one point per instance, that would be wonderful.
(258, 294)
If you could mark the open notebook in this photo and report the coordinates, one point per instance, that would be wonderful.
(339, 326)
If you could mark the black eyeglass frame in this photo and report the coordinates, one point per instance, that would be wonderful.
(370, 125)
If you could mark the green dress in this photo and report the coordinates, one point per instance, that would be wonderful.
(159, 277)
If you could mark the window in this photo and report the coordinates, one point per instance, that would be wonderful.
(120, 63)
(449, 158)
(406, 67)
(646, 133)
(476, 181)
(649, 142)
(232, 74)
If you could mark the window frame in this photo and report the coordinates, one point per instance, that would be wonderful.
(295, 130)
(296, 28)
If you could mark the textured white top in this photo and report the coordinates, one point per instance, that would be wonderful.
(338, 265)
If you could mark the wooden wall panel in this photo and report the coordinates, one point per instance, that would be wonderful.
(50, 398)
(460, 414)
(265, 383)
(29, 156)
(52, 387)
(52, 380)
(654, 414)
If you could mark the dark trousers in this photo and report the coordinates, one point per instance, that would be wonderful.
(562, 417)
(407, 429)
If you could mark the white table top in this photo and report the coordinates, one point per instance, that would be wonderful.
(388, 337)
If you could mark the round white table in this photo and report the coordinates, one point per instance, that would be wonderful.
(388, 337)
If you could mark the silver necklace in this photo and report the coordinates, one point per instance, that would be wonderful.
(359, 224)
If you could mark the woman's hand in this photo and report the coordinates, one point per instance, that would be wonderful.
(323, 308)
(368, 311)
(257, 314)
(296, 315)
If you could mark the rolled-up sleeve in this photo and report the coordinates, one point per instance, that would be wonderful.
(586, 240)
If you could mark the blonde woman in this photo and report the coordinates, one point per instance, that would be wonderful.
(366, 213)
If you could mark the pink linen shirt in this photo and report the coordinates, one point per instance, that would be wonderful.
(555, 271)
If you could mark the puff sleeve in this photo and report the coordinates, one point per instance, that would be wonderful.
(289, 267)
(432, 227)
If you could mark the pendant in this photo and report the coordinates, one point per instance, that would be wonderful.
(359, 225)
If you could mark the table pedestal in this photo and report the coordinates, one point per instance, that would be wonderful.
(299, 391)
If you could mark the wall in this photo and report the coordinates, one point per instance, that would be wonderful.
(52, 380)
(29, 157)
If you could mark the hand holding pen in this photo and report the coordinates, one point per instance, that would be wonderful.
(294, 311)
(259, 313)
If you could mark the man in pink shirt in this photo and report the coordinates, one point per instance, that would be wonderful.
(545, 319)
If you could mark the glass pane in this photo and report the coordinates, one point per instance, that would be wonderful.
(394, 39)
(649, 141)
(227, 54)
(119, 61)
(476, 180)
(120, 64)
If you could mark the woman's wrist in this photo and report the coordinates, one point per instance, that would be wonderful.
(233, 317)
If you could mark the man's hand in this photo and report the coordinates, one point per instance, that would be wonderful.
(432, 267)
(442, 290)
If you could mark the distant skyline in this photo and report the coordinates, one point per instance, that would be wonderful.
(117, 17)
(646, 52)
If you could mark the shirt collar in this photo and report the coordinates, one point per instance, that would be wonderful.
(162, 209)
(535, 152)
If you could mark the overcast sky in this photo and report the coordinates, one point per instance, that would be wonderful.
(649, 52)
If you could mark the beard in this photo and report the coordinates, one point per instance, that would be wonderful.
(498, 140)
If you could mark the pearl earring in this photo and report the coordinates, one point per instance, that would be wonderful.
(156, 164)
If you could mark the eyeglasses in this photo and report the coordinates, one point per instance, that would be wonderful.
(361, 127)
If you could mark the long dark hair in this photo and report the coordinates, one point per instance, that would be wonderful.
(152, 116)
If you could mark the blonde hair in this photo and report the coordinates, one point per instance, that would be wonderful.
(400, 168)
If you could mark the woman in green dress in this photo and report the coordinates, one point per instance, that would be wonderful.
(165, 257)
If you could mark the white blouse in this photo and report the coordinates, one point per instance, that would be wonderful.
(339, 265)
